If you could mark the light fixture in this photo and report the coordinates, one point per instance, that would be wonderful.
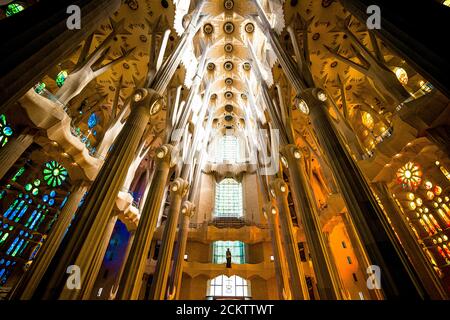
(401, 75)
(303, 106)
(272, 258)
(186, 257)
(321, 95)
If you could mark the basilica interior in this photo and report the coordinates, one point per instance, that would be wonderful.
(219, 149)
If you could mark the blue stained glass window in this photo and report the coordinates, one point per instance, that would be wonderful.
(92, 121)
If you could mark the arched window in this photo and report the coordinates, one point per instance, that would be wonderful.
(237, 249)
(234, 286)
(228, 199)
(227, 149)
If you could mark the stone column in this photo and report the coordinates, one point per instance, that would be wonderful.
(23, 55)
(299, 288)
(89, 280)
(29, 282)
(307, 215)
(281, 274)
(130, 284)
(401, 32)
(413, 249)
(399, 277)
(178, 190)
(86, 236)
(113, 292)
(12, 151)
(187, 211)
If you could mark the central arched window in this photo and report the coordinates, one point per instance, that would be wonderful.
(228, 199)
(237, 249)
(234, 286)
(227, 149)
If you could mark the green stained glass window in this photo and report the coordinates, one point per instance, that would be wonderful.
(237, 249)
(5, 130)
(13, 8)
(39, 87)
(61, 78)
(54, 173)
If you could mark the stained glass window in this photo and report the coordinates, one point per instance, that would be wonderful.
(237, 249)
(92, 121)
(40, 87)
(13, 8)
(61, 78)
(54, 173)
(5, 130)
(227, 149)
(234, 286)
(409, 176)
(228, 198)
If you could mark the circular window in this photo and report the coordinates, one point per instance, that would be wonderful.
(246, 66)
(228, 27)
(211, 66)
(333, 64)
(228, 48)
(228, 117)
(228, 81)
(208, 28)
(228, 94)
(316, 36)
(249, 27)
(228, 66)
(228, 4)
(228, 108)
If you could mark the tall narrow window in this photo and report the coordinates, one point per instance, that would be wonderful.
(228, 149)
(228, 198)
(237, 249)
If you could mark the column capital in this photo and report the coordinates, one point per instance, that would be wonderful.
(147, 98)
(188, 209)
(179, 186)
(311, 97)
(278, 188)
(165, 154)
(291, 150)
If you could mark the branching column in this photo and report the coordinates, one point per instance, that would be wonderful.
(306, 207)
(398, 276)
(280, 273)
(130, 284)
(178, 190)
(88, 232)
(299, 288)
(187, 212)
(12, 151)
